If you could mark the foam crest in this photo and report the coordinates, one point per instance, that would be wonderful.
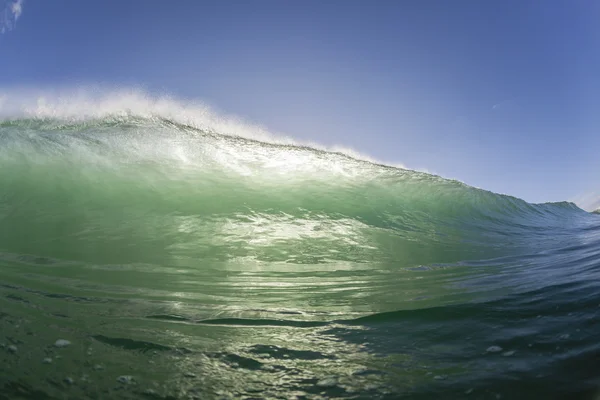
(97, 103)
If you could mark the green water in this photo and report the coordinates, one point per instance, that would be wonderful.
(181, 263)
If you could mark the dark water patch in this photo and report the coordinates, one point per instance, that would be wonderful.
(68, 297)
(435, 314)
(165, 317)
(151, 394)
(262, 322)
(289, 312)
(15, 390)
(366, 372)
(62, 296)
(14, 340)
(17, 298)
(130, 344)
(240, 361)
(31, 259)
(517, 386)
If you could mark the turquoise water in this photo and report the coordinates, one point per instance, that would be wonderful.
(179, 262)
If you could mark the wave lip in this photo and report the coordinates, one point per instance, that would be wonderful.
(96, 103)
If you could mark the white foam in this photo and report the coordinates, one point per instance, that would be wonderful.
(564, 336)
(327, 382)
(93, 103)
(61, 343)
(494, 349)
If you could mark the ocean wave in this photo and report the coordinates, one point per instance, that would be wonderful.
(196, 255)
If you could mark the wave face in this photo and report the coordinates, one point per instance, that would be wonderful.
(183, 261)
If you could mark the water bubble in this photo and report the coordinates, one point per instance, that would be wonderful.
(494, 349)
(61, 343)
(327, 382)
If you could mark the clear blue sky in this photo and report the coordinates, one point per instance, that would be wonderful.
(503, 95)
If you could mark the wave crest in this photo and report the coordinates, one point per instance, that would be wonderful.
(94, 103)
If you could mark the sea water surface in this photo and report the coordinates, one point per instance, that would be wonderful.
(145, 255)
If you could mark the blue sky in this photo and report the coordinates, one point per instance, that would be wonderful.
(503, 95)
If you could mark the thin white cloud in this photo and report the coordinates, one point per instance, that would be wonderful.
(17, 8)
(500, 105)
(10, 14)
(510, 104)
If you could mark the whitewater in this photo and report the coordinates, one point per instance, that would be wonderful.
(152, 248)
